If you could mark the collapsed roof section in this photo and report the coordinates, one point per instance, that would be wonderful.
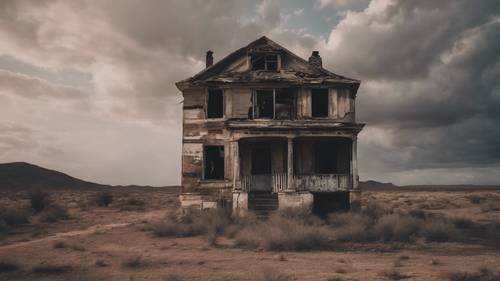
(235, 69)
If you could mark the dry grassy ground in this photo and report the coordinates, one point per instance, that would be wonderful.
(124, 242)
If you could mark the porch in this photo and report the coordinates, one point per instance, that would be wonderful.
(313, 164)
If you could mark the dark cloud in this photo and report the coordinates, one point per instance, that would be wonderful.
(431, 74)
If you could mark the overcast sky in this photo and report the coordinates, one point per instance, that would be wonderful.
(87, 87)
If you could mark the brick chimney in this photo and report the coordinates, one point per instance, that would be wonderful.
(315, 59)
(210, 58)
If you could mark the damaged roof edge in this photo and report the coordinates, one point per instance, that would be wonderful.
(183, 84)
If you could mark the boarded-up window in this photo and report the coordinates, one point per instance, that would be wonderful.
(319, 102)
(214, 162)
(215, 103)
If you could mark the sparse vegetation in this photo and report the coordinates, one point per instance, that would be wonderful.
(104, 199)
(59, 244)
(133, 262)
(474, 198)
(51, 269)
(270, 274)
(439, 230)
(39, 200)
(483, 274)
(101, 263)
(54, 213)
(394, 275)
(13, 217)
(172, 277)
(8, 266)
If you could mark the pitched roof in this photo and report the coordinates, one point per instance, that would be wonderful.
(302, 73)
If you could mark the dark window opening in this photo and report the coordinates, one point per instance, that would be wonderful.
(283, 104)
(264, 104)
(264, 62)
(261, 159)
(214, 162)
(215, 104)
(325, 156)
(319, 102)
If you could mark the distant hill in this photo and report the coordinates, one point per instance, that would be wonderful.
(21, 175)
(375, 185)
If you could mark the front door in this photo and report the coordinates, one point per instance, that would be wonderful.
(261, 168)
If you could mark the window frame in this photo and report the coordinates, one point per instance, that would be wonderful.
(327, 102)
(207, 96)
(274, 90)
(266, 59)
(204, 163)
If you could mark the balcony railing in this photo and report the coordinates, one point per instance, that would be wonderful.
(279, 182)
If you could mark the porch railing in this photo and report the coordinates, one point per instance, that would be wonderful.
(316, 182)
(322, 182)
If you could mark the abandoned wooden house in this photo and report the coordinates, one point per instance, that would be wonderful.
(264, 129)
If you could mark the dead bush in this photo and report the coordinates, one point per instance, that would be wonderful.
(270, 274)
(39, 200)
(51, 269)
(133, 262)
(483, 274)
(396, 228)
(103, 199)
(394, 275)
(474, 198)
(173, 277)
(14, 216)
(490, 207)
(59, 244)
(285, 234)
(135, 202)
(4, 228)
(54, 213)
(101, 263)
(462, 223)
(345, 218)
(8, 266)
(438, 230)
(375, 210)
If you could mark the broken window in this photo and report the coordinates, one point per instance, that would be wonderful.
(264, 62)
(264, 104)
(283, 104)
(215, 103)
(214, 162)
(319, 102)
(272, 104)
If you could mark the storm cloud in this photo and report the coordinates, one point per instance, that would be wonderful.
(87, 87)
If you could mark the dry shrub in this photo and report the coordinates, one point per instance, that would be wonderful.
(483, 274)
(270, 274)
(394, 275)
(101, 263)
(351, 227)
(51, 269)
(54, 213)
(14, 216)
(375, 210)
(462, 222)
(59, 244)
(492, 233)
(133, 262)
(39, 200)
(135, 202)
(439, 230)
(8, 266)
(285, 233)
(474, 198)
(4, 228)
(103, 199)
(396, 228)
(209, 222)
(173, 277)
(490, 207)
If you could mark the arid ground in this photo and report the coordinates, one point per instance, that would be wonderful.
(125, 241)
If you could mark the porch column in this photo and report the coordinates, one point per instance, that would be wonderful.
(355, 177)
(236, 165)
(290, 165)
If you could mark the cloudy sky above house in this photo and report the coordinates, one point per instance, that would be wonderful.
(87, 87)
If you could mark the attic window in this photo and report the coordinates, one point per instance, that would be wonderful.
(319, 102)
(215, 104)
(264, 62)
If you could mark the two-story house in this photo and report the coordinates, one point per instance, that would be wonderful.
(265, 129)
